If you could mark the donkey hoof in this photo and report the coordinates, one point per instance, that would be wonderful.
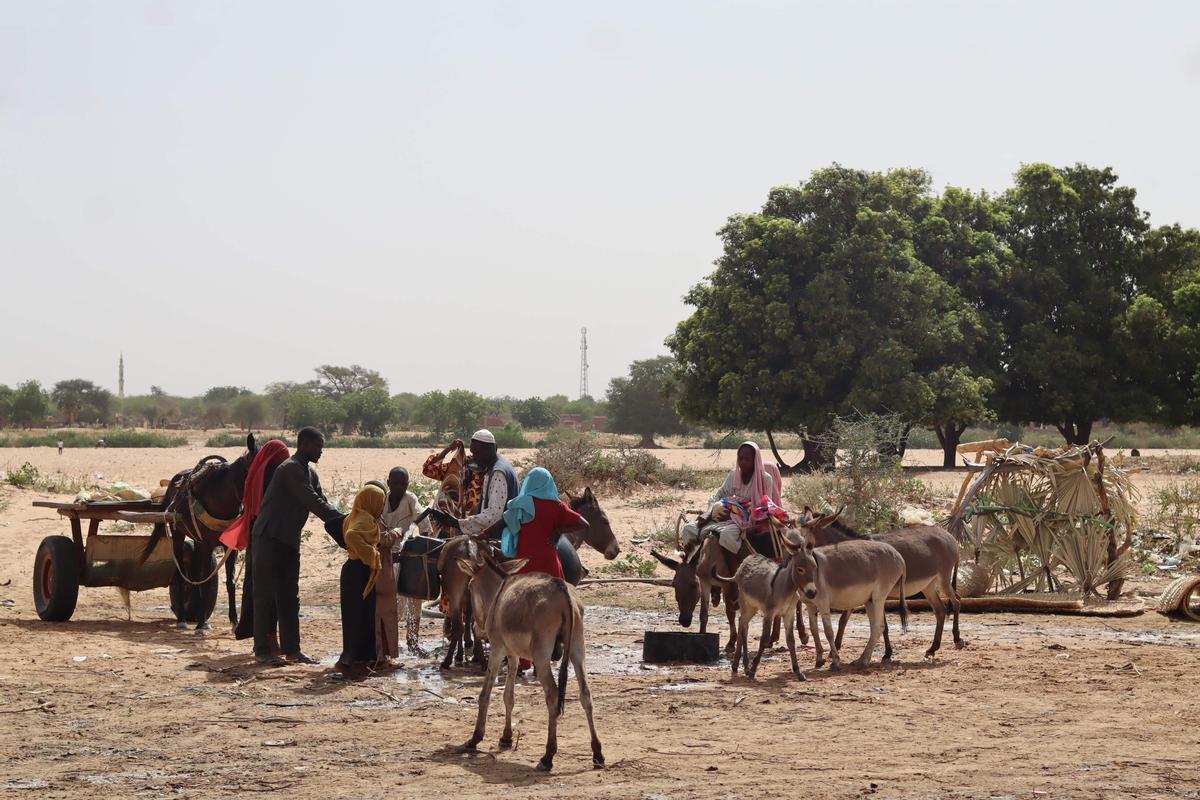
(820, 663)
(545, 765)
(835, 667)
(800, 676)
(181, 625)
(468, 747)
(505, 742)
(930, 653)
(960, 644)
(597, 761)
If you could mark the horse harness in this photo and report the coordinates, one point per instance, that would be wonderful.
(198, 514)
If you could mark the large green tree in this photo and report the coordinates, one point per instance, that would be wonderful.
(1161, 326)
(249, 410)
(820, 307)
(465, 409)
(6, 395)
(369, 410)
(534, 412)
(1076, 237)
(337, 382)
(961, 239)
(305, 408)
(29, 404)
(80, 400)
(403, 406)
(433, 412)
(644, 401)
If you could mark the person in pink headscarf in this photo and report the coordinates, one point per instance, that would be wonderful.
(750, 486)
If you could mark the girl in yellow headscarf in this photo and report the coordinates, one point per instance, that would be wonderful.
(361, 530)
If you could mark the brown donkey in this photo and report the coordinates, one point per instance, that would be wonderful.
(930, 558)
(523, 616)
(850, 575)
(774, 589)
(598, 535)
(695, 582)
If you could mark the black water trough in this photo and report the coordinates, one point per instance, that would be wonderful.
(700, 648)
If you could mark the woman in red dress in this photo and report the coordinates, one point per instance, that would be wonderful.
(534, 520)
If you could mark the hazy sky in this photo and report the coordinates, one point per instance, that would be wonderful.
(234, 192)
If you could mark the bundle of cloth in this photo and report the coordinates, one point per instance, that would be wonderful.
(741, 507)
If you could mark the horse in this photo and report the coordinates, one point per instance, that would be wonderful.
(599, 536)
(205, 501)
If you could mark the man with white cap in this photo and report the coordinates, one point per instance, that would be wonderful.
(499, 485)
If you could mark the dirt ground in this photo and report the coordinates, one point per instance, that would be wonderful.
(102, 706)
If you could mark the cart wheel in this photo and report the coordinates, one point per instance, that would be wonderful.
(181, 590)
(56, 579)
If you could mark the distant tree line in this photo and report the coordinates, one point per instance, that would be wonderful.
(1055, 302)
(348, 400)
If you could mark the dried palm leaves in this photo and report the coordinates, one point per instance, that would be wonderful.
(1032, 515)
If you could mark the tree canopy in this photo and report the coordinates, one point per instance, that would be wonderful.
(80, 400)
(820, 307)
(644, 401)
(1076, 238)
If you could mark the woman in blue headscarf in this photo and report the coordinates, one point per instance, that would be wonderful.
(534, 520)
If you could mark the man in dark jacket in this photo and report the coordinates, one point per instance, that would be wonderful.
(294, 493)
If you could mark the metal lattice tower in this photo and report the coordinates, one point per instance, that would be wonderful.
(583, 364)
(121, 377)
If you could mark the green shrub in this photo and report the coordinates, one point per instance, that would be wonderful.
(728, 441)
(24, 476)
(238, 439)
(511, 436)
(577, 461)
(1177, 510)
(362, 442)
(632, 565)
(112, 438)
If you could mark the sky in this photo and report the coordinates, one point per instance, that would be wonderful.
(236, 192)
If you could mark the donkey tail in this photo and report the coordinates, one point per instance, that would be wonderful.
(903, 599)
(568, 630)
(721, 578)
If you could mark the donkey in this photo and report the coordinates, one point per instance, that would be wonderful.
(524, 616)
(206, 499)
(930, 558)
(599, 536)
(850, 574)
(772, 588)
(695, 581)
(455, 581)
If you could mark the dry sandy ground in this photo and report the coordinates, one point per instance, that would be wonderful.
(1034, 706)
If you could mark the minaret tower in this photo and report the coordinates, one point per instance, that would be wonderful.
(121, 377)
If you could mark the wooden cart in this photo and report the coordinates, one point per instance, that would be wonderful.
(63, 563)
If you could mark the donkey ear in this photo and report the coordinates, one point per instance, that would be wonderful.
(808, 515)
(514, 566)
(828, 519)
(466, 566)
(251, 447)
(587, 495)
(669, 563)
